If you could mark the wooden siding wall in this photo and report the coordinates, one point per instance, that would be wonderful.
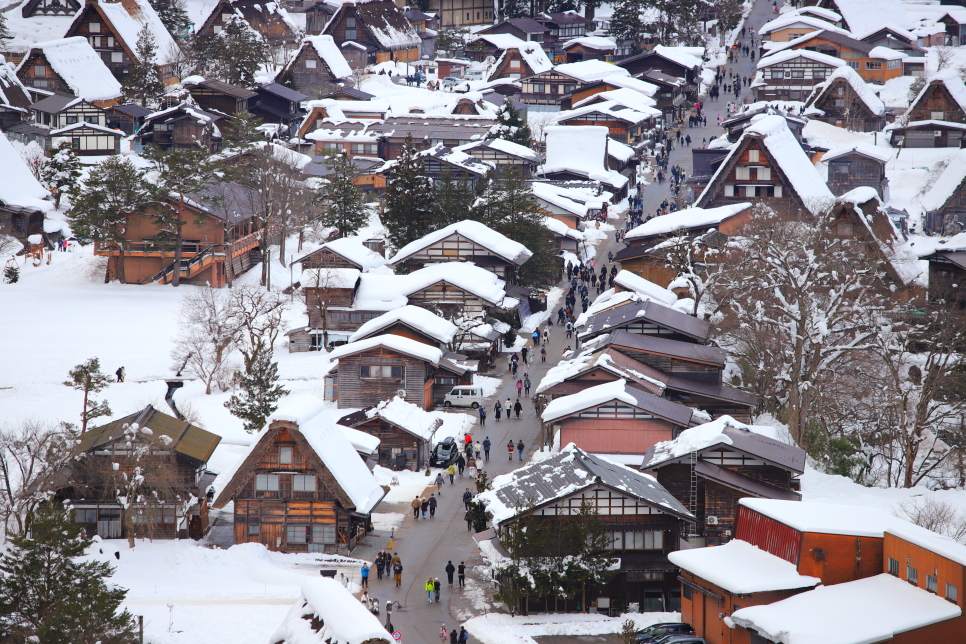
(925, 562)
(860, 171)
(325, 258)
(98, 39)
(397, 441)
(613, 435)
(937, 99)
(454, 248)
(448, 300)
(356, 392)
(317, 80)
(852, 113)
(836, 558)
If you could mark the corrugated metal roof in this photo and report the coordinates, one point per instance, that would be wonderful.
(572, 470)
(743, 483)
(663, 346)
(225, 88)
(188, 439)
(719, 391)
(650, 311)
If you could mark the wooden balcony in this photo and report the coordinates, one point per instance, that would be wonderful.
(239, 246)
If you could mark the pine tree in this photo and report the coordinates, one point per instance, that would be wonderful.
(143, 84)
(89, 378)
(586, 542)
(172, 14)
(51, 596)
(343, 207)
(509, 207)
(409, 208)
(11, 274)
(626, 22)
(5, 34)
(452, 200)
(260, 392)
(238, 53)
(61, 172)
(112, 189)
(510, 126)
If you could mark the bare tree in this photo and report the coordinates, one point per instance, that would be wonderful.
(935, 515)
(207, 337)
(257, 314)
(31, 455)
(319, 293)
(944, 57)
(695, 260)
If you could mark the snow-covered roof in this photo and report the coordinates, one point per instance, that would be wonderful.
(645, 288)
(342, 619)
(868, 16)
(386, 23)
(741, 568)
(561, 229)
(328, 51)
(589, 71)
(831, 518)
(636, 84)
(865, 149)
(793, 19)
(555, 196)
(577, 148)
(455, 157)
(567, 472)
(623, 96)
(415, 316)
(613, 110)
(393, 342)
(874, 609)
(937, 543)
(616, 390)
(502, 145)
(81, 67)
(129, 17)
(717, 432)
(591, 42)
(430, 425)
(946, 185)
(687, 219)
(859, 86)
(476, 232)
(501, 41)
(953, 83)
(19, 187)
(681, 55)
(83, 124)
(362, 442)
(886, 53)
(821, 12)
(356, 252)
(790, 54)
(531, 53)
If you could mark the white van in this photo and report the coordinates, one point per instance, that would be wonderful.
(464, 396)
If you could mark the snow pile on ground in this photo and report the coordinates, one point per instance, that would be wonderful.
(409, 484)
(497, 628)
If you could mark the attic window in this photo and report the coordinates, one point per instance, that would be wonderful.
(94, 27)
(752, 156)
(310, 64)
(285, 455)
(216, 29)
(350, 21)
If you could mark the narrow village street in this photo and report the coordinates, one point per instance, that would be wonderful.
(426, 545)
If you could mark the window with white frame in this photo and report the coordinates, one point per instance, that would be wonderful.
(285, 455)
(310, 63)
(94, 27)
(266, 482)
(303, 483)
(752, 156)
(380, 371)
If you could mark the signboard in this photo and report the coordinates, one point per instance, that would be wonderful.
(396, 635)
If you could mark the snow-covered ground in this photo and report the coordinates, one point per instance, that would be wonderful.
(497, 628)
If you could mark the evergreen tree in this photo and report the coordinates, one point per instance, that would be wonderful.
(11, 274)
(143, 84)
(343, 207)
(89, 378)
(509, 207)
(237, 53)
(172, 14)
(409, 207)
(50, 596)
(113, 189)
(61, 172)
(511, 126)
(586, 544)
(452, 200)
(260, 392)
(626, 22)
(5, 34)
(179, 173)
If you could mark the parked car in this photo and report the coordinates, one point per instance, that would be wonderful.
(449, 81)
(464, 396)
(680, 638)
(655, 632)
(445, 452)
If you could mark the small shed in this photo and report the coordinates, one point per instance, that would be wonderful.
(855, 166)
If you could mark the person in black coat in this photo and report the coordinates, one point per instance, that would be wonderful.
(460, 464)
(454, 637)
(450, 569)
(517, 407)
(461, 573)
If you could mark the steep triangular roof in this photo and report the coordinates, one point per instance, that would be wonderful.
(860, 87)
(79, 66)
(186, 439)
(384, 21)
(948, 79)
(126, 19)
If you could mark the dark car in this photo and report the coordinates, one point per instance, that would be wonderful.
(445, 452)
(679, 638)
(656, 632)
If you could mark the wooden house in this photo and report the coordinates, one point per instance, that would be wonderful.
(767, 165)
(708, 468)
(346, 252)
(520, 62)
(369, 178)
(183, 125)
(375, 369)
(407, 434)
(60, 110)
(670, 61)
(590, 166)
(378, 26)
(616, 418)
(623, 124)
(301, 487)
(465, 241)
(91, 140)
(269, 19)
(345, 93)
(641, 517)
(526, 29)
(441, 161)
(687, 360)
(428, 130)
(276, 103)
(613, 83)
(327, 612)
(854, 166)
(589, 48)
(173, 458)
(688, 224)
(947, 269)
(790, 75)
(23, 200)
(410, 322)
(873, 64)
(14, 99)
(562, 27)
(502, 154)
(844, 100)
(944, 204)
(221, 239)
(70, 66)
(547, 88)
(33, 8)
(316, 68)
(792, 25)
(936, 117)
(737, 124)
(127, 118)
(898, 40)
(671, 92)
(112, 29)
(645, 318)
(216, 96)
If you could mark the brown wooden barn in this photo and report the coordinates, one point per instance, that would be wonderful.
(173, 458)
(316, 68)
(641, 517)
(268, 19)
(617, 418)
(184, 125)
(520, 62)
(941, 99)
(855, 166)
(302, 487)
(730, 461)
(407, 434)
(216, 96)
(379, 26)
(845, 100)
(221, 239)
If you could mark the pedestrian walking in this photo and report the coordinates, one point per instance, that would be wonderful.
(429, 587)
(425, 506)
(460, 464)
(509, 449)
(464, 636)
(397, 569)
(439, 483)
(432, 506)
(454, 637)
(466, 498)
(450, 569)
(526, 386)
(471, 466)
(477, 448)
(443, 634)
(461, 573)
(436, 588)
(451, 470)
(486, 449)
(507, 407)
(520, 450)
(416, 505)
(543, 354)
(570, 329)
(523, 354)
(497, 410)
(517, 408)
(365, 575)
(380, 564)
(120, 374)
(468, 517)
(519, 387)
(482, 415)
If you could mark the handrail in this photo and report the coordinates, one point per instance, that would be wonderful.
(186, 264)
